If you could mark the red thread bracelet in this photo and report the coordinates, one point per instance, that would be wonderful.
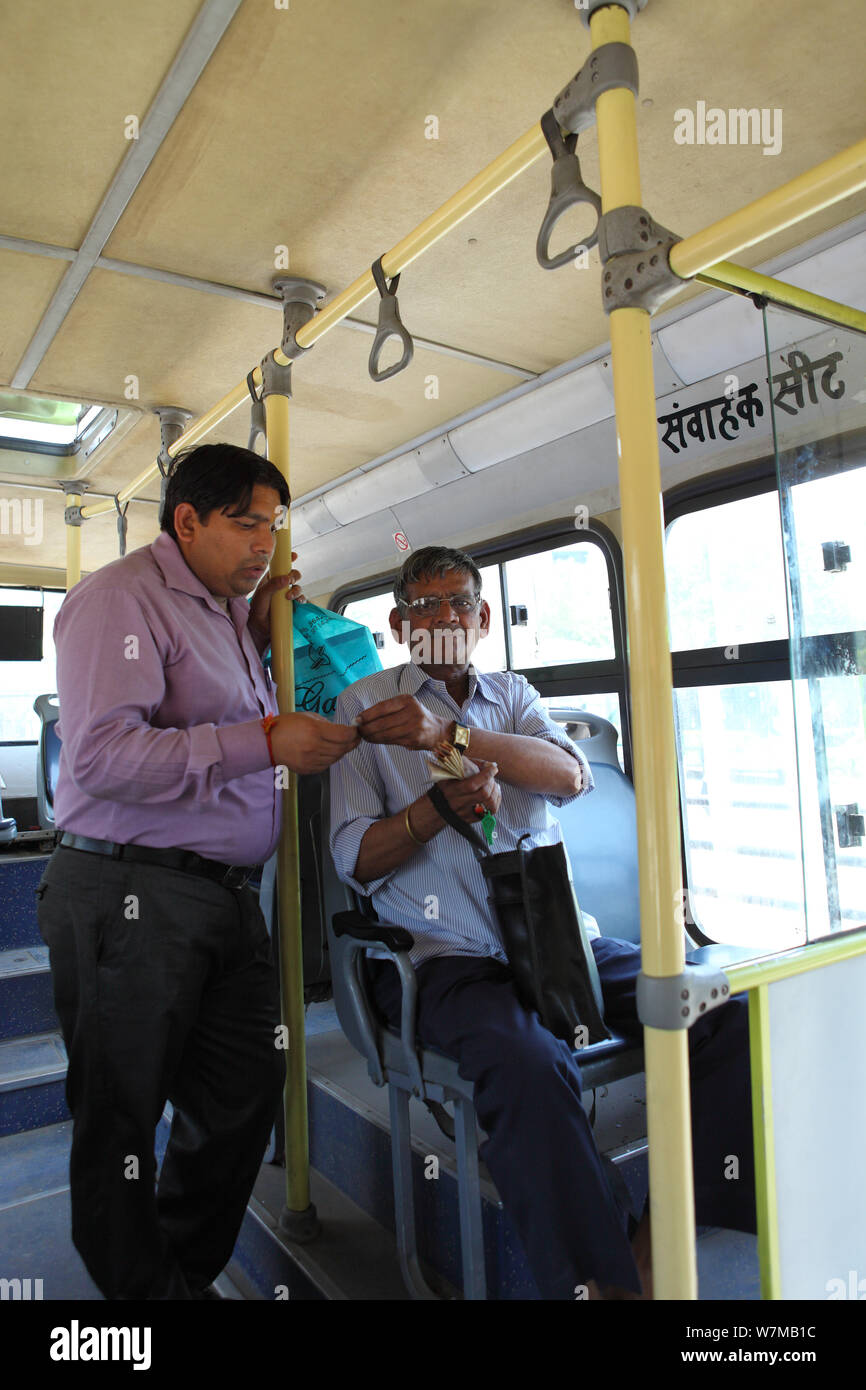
(267, 724)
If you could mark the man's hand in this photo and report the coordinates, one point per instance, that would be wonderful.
(403, 721)
(309, 743)
(260, 605)
(478, 789)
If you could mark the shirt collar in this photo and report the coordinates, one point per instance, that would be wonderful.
(412, 678)
(178, 575)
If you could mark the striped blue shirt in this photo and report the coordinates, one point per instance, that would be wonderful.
(439, 894)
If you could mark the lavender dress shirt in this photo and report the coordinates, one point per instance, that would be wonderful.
(162, 692)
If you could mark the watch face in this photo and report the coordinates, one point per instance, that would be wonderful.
(461, 737)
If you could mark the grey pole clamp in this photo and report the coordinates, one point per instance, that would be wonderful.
(635, 252)
(301, 298)
(72, 515)
(257, 416)
(567, 189)
(607, 68)
(172, 423)
(121, 525)
(390, 326)
(586, 8)
(678, 1001)
(276, 380)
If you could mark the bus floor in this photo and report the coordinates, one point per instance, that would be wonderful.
(354, 1256)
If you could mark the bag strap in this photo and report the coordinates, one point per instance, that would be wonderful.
(480, 847)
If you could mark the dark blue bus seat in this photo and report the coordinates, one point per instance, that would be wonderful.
(47, 758)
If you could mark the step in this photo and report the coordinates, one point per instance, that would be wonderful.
(19, 876)
(32, 1082)
(26, 993)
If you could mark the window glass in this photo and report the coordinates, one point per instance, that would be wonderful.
(565, 593)
(373, 613)
(725, 575)
(22, 681)
(489, 655)
(828, 516)
(741, 818)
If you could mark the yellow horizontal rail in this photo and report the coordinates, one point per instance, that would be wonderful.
(727, 276)
(826, 183)
(766, 969)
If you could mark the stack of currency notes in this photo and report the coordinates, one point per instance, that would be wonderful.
(446, 763)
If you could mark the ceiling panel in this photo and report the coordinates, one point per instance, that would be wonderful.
(42, 541)
(189, 349)
(307, 129)
(72, 73)
(26, 286)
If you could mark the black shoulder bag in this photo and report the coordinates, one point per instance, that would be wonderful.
(542, 929)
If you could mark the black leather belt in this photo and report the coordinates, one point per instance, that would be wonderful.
(229, 875)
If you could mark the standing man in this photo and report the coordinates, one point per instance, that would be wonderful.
(166, 798)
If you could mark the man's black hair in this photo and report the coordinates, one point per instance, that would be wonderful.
(216, 477)
(430, 562)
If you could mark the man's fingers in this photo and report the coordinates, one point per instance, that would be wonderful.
(383, 707)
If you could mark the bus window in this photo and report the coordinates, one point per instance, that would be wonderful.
(734, 719)
(560, 607)
(21, 681)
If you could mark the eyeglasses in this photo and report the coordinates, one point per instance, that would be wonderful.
(431, 603)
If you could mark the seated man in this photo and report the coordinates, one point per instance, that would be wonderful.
(389, 842)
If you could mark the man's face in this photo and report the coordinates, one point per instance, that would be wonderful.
(229, 554)
(445, 637)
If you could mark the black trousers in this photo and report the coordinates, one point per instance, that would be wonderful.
(540, 1149)
(165, 990)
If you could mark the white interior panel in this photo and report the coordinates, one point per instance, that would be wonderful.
(819, 1110)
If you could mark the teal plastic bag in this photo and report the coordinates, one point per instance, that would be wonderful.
(331, 652)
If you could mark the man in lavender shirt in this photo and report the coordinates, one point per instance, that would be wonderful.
(166, 797)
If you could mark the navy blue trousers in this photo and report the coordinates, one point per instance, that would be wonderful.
(540, 1149)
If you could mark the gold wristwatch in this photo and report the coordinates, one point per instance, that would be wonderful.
(460, 736)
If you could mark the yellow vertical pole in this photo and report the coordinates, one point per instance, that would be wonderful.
(73, 545)
(765, 1155)
(288, 864)
(655, 769)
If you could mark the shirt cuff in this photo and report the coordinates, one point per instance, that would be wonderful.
(346, 848)
(244, 749)
(586, 782)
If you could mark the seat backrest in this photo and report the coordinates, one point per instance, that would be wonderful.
(47, 758)
(600, 834)
(338, 897)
